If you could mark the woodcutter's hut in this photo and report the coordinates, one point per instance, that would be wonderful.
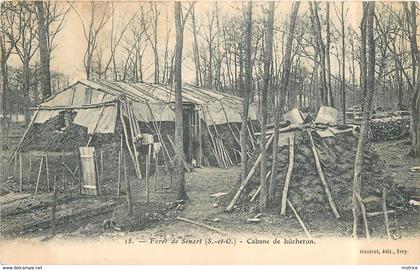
(89, 113)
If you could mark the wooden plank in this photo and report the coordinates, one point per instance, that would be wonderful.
(88, 169)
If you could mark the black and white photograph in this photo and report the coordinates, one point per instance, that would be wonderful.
(209, 132)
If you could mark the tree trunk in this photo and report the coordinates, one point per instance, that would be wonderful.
(43, 51)
(367, 106)
(280, 96)
(363, 65)
(247, 91)
(415, 103)
(26, 85)
(5, 93)
(343, 63)
(179, 165)
(267, 67)
(195, 50)
(328, 56)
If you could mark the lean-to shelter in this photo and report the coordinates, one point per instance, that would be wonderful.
(212, 120)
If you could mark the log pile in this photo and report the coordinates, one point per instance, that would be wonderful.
(389, 128)
(323, 183)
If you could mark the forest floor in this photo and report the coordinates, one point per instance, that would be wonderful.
(26, 216)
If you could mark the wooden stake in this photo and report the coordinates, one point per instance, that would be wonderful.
(15, 168)
(289, 173)
(202, 225)
(63, 178)
(54, 207)
(48, 173)
(147, 172)
(20, 173)
(98, 183)
(246, 180)
(127, 182)
(30, 167)
(39, 175)
(154, 175)
(102, 166)
(80, 175)
(362, 207)
(298, 218)
(385, 212)
(119, 175)
(321, 176)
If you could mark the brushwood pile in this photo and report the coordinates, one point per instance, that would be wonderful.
(306, 192)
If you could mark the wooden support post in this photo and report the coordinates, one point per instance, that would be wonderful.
(289, 173)
(385, 212)
(133, 158)
(20, 173)
(98, 183)
(15, 168)
(127, 182)
(79, 175)
(54, 207)
(154, 175)
(363, 210)
(147, 172)
(102, 166)
(63, 178)
(321, 176)
(298, 218)
(200, 143)
(47, 169)
(39, 175)
(30, 167)
(249, 176)
(119, 175)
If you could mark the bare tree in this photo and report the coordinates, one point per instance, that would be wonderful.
(180, 20)
(280, 95)
(247, 90)
(153, 38)
(264, 113)
(368, 15)
(91, 30)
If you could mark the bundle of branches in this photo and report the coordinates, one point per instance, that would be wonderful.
(306, 190)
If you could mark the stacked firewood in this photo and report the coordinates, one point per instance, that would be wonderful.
(389, 128)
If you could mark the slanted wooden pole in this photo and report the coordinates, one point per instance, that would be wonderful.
(289, 173)
(246, 180)
(385, 212)
(298, 218)
(15, 168)
(39, 175)
(363, 209)
(156, 169)
(119, 175)
(98, 183)
(321, 176)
